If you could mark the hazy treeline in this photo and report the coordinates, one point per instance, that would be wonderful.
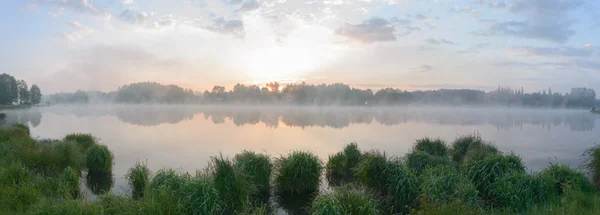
(13, 91)
(328, 94)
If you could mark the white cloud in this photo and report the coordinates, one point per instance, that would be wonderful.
(421, 68)
(369, 31)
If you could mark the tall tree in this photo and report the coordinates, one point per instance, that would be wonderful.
(36, 94)
(24, 97)
(9, 91)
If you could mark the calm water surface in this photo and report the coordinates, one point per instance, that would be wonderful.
(184, 137)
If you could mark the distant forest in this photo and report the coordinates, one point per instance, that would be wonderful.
(16, 92)
(327, 94)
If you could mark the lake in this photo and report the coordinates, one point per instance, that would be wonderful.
(184, 137)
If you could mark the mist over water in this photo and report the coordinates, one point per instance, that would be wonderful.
(178, 136)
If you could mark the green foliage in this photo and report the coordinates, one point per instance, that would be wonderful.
(345, 200)
(418, 161)
(258, 168)
(36, 94)
(298, 173)
(71, 207)
(484, 172)
(471, 145)
(199, 196)
(70, 179)
(99, 159)
(233, 185)
(435, 147)
(401, 187)
(14, 174)
(444, 184)
(18, 198)
(99, 182)
(162, 200)
(84, 141)
(565, 176)
(518, 191)
(170, 179)
(116, 205)
(138, 178)
(592, 164)
(371, 171)
(22, 127)
(340, 168)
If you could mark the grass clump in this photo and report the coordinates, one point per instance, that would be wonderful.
(298, 173)
(371, 171)
(418, 161)
(138, 178)
(518, 191)
(258, 169)
(99, 159)
(470, 145)
(345, 200)
(592, 164)
(169, 179)
(233, 186)
(199, 196)
(84, 141)
(22, 127)
(70, 179)
(401, 187)
(486, 171)
(564, 176)
(340, 167)
(435, 147)
(444, 184)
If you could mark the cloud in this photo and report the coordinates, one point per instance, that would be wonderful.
(250, 5)
(127, 1)
(72, 36)
(586, 51)
(467, 10)
(231, 1)
(221, 25)
(439, 42)
(165, 21)
(369, 31)
(77, 33)
(421, 68)
(80, 6)
(544, 19)
(134, 17)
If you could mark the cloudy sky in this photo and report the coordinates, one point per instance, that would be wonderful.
(65, 45)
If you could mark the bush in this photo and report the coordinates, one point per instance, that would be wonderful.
(444, 184)
(99, 182)
(53, 207)
(402, 187)
(371, 171)
(465, 144)
(22, 127)
(99, 159)
(199, 196)
(298, 173)
(65, 154)
(345, 200)
(418, 161)
(70, 180)
(83, 141)
(258, 168)
(340, 167)
(138, 177)
(14, 174)
(18, 198)
(116, 205)
(565, 176)
(169, 179)
(163, 199)
(233, 186)
(435, 147)
(16, 131)
(484, 172)
(518, 191)
(592, 164)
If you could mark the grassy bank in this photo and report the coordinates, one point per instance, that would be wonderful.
(466, 176)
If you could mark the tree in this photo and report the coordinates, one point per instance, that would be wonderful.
(9, 90)
(24, 95)
(36, 94)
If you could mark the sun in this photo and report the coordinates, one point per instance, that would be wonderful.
(276, 63)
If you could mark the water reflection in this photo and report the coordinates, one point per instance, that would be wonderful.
(502, 119)
(31, 116)
(99, 182)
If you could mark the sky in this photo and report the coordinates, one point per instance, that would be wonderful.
(66, 45)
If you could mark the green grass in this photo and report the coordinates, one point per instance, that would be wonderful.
(298, 173)
(83, 141)
(443, 185)
(233, 185)
(99, 182)
(486, 171)
(592, 164)
(169, 179)
(200, 196)
(419, 161)
(99, 159)
(70, 179)
(371, 171)
(345, 200)
(401, 187)
(463, 145)
(518, 191)
(258, 168)
(340, 167)
(138, 178)
(564, 176)
(435, 147)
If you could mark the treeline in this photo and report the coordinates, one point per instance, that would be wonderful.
(329, 94)
(14, 92)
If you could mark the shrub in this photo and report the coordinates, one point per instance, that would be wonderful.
(138, 177)
(84, 141)
(444, 184)
(345, 200)
(418, 161)
(340, 167)
(64, 155)
(592, 164)
(518, 191)
(199, 196)
(402, 187)
(18, 198)
(258, 168)
(563, 176)
(163, 199)
(14, 174)
(99, 182)
(70, 180)
(462, 145)
(99, 159)
(298, 173)
(371, 171)
(484, 172)
(435, 147)
(115, 205)
(352, 157)
(22, 127)
(170, 179)
(233, 186)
